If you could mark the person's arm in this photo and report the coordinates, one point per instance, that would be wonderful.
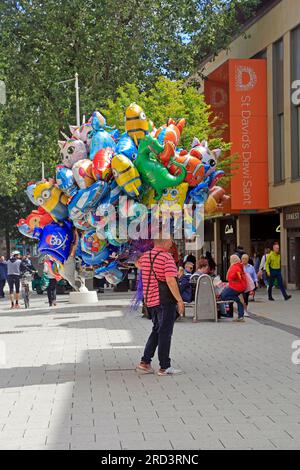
(173, 286)
(253, 275)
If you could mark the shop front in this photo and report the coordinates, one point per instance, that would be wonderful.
(291, 222)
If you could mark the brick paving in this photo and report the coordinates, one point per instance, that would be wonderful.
(69, 382)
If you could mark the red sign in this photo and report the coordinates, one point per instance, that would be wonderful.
(238, 97)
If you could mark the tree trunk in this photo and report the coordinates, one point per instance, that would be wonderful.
(7, 240)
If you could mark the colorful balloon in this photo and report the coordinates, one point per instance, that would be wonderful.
(90, 243)
(170, 132)
(87, 199)
(111, 273)
(71, 151)
(83, 133)
(52, 199)
(29, 191)
(101, 165)
(37, 218)
(83, 173)
(151, 170)
(126, 147)
(173, 197)
(136, 123)
(100, 137)
(126, 175)
(55, 240)
(65, 180)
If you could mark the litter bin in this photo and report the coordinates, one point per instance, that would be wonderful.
(132, 277)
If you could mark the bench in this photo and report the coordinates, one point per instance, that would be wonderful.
(205, 303)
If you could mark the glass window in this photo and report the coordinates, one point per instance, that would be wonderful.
(278, 107)
(298, 137)
(295, 109)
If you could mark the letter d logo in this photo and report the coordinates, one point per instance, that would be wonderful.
(245, 78)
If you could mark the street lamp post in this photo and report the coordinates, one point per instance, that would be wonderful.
(77, 96)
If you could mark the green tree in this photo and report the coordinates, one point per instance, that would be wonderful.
(109, 44)
(173, 99)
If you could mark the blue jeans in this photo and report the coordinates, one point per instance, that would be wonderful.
(163, 318)
(231, 294)
(276, 274)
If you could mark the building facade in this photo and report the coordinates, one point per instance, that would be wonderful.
(273, 45)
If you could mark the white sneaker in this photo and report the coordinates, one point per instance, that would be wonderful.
(246, 314)
(170, 371)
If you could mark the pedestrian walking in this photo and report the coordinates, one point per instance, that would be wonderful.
(51, 289)
(162, 299)
(250, 271)
(273, 270)
(3, 276)
(236, 285)
(13, 278)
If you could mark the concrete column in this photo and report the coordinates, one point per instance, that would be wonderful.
(287, 105)
(243, 232)
(283, 250)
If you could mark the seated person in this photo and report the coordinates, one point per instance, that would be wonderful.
(203, 266)
(185, 286)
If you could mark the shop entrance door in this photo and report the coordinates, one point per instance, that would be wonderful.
(294, 260)
(226, 252)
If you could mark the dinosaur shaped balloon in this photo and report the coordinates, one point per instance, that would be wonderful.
(151, 170)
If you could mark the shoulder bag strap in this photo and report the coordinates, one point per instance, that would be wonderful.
(150, 272)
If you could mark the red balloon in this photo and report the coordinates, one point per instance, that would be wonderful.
(102, 164)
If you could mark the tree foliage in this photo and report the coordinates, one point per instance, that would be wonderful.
(109, 43)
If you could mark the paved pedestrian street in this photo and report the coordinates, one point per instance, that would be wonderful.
(68, 380)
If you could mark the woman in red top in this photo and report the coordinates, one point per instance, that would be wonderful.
(236, 285)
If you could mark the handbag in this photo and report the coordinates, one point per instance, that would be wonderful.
(249, 283)
(165, 295)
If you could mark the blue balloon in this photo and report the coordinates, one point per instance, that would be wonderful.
(113, 194)
(115, 134)
(55, 240)
(86, 199)
(111, 273)
(100, 137)
(95, 258)
(65, 180)
(29, 191)
(127, 147)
